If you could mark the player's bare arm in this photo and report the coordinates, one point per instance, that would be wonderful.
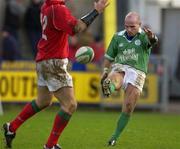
(86, 20)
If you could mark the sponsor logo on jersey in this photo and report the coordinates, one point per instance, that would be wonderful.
(128, 54)
(121, 45)
(138, 42)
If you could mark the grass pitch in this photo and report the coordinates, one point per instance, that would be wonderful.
(92, 129)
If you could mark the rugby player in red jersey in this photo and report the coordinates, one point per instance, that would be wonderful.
(51, 66)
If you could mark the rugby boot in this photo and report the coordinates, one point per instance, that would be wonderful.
(106, 87)
(112, 142)
(57, 146)
(8, 135)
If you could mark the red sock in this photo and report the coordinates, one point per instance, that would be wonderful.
(28, 111)
(60, 123)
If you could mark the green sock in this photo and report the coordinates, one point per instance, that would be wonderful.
(35, 107)
(65, 115)
(121, 124)
(112, 87)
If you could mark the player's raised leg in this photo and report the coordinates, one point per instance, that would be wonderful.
(30, 109)
(131, 95)
(68, 104)
(112, 83)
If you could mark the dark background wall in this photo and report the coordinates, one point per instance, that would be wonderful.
(122, 9)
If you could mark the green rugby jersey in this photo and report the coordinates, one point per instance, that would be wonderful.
(134, 53)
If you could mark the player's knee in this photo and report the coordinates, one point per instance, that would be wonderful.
(72, 106)
(137, 94)
(43, 104)
(128, 107)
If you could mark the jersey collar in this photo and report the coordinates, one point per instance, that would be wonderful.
(140, 30)
(129, 40)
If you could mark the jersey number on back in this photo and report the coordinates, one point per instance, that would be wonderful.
(44, 22)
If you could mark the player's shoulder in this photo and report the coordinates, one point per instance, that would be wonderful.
(60, 10)
(120, 33)
(142, 32)
(60, 7)
(142, 35)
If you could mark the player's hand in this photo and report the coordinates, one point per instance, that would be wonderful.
(101, 5)
(149, 33)
(104, 76)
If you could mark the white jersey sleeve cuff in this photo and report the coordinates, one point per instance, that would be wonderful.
(109, 57)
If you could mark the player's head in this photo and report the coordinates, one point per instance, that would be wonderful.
(132, 23)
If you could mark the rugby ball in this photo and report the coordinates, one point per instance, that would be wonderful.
(84, 55)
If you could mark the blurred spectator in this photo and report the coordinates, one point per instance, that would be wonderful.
(73, 46)
(1, 56)
(10, 37)
(32, 24)
(99, 50)
(10, 49)
(13, 12)
(78, 66)
(87, 39)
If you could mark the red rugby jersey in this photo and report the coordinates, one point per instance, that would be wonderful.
(57, 23)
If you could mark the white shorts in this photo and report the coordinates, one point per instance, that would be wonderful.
(53, 74)
(132, 76)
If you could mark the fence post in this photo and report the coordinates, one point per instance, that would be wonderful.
(165, 87)
(1, 107)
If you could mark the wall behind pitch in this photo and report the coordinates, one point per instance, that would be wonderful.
(21, 86)
(1, 12)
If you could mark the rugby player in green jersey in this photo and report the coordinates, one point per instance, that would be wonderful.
(125, 66)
